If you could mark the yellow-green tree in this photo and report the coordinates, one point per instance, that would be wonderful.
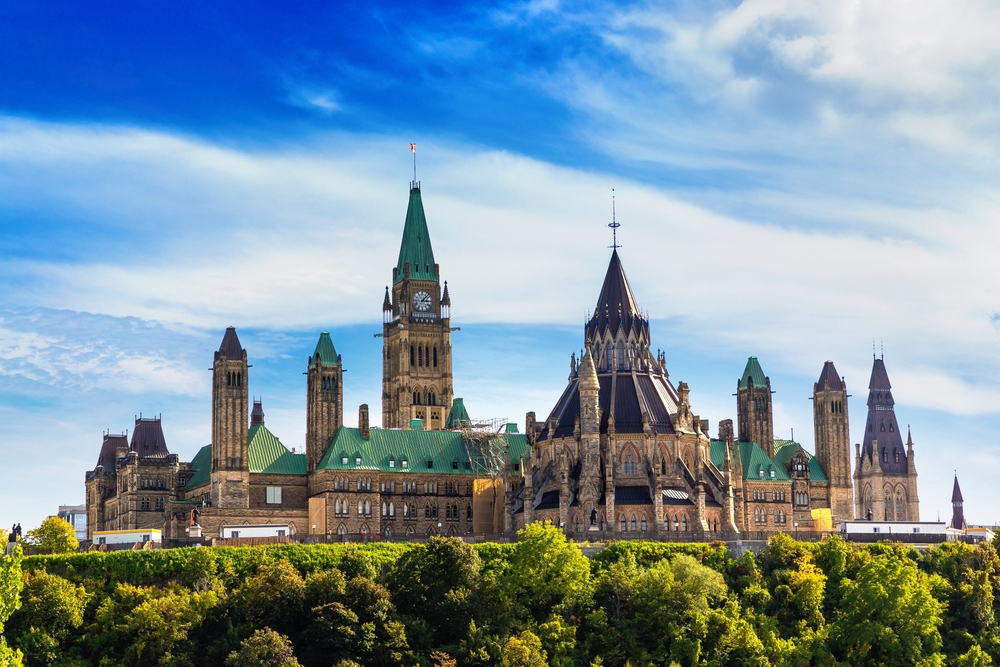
(54, 536)
(10, 601)
(524, 650)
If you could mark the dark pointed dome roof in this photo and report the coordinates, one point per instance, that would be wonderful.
(882, 441)
(880, 379)
(616, 306)
(956, 492)
(829, 379)
(230, 345)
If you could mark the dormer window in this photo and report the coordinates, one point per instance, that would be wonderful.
(772, 473)
(454, 465)
(405, 463)
(430, 464)
(760, 473)
(357, 460)
(344, 461)
(392, 463)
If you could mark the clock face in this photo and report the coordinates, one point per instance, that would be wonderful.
(422, 301)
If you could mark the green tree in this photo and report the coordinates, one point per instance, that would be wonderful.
(10, 601)
(547, 572)
(51, 607)
(274, 597)
(265, 648)
(888, 617)
(524, 650)
(54, 536)
(438, 582)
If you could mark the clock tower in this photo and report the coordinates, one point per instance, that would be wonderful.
(416, 343)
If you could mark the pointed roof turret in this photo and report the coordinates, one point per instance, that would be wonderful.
(387, 302)
(883, 441)
(416, 245)
(829, 379)
(446, 298)
(257, 414)
(956, 492)
(588, 373)
(230, 345)
(458, 416)
(325, 352)
(616, 306)
(880, 379)
(753, 372)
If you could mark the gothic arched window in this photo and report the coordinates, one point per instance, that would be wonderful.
(900, 507)
(642, 524)
(435, 356)
(420, 355)
(624, 524)
(677, 524)
(684, 523)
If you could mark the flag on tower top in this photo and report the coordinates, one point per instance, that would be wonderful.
(413, 147)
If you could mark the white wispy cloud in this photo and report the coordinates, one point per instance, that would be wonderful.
(305, 237)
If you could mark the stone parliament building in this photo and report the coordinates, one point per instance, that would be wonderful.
(621, 451)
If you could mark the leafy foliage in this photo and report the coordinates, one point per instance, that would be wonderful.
(535, 602)
(54, 536)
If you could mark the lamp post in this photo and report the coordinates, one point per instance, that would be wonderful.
(796, 524)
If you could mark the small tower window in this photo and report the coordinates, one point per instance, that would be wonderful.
(435, 356)
(420, 356)
(411, 356)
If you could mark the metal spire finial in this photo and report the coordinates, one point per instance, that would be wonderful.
(614, 224)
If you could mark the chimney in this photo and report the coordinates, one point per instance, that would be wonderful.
(726, 431)
(363, 421)
(257, 415)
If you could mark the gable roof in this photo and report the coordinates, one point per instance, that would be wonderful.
(201, 465)
(754, 460)
(784, 450)
(415, 247)
(386, 449)
(325, 352)
(753, 372)
(266, 454)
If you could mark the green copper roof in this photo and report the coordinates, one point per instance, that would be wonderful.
(267, 455)
(325, 352)
(753, 371)
(754, 460)
(784, 450)
(458, 416)
(265, 452)
(201, 464)
(416, 245)
(387, 449)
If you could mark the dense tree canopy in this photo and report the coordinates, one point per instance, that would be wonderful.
(54, 536)
(534, 603)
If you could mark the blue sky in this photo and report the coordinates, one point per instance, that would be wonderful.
(794, 180)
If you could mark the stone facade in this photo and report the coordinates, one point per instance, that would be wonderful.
(416, 337)
(622, 451)
(885, 475)
(394, 481)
